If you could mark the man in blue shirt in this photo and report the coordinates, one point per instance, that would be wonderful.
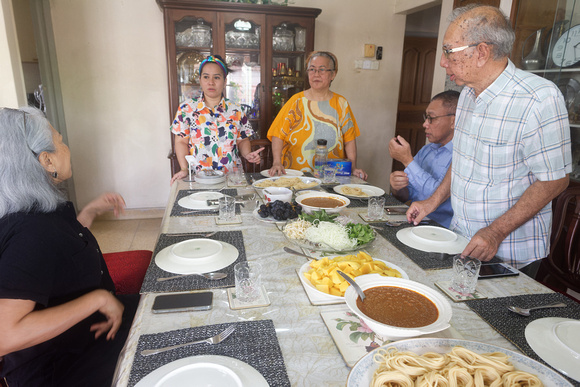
(424, 172)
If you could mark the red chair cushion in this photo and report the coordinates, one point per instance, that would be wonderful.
(127, 269)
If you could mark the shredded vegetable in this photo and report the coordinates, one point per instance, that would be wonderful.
(331, 234)
(296, 229)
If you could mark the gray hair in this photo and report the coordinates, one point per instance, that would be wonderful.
(24, 183)
(489, 25)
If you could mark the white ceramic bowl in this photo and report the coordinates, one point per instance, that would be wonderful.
(397, 333)
(271, 194)
(309, 209)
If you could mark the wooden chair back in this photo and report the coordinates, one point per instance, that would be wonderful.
(561, 269)
(266, 156)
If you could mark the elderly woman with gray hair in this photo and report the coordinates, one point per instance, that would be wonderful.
(61, 323)
(314, 114)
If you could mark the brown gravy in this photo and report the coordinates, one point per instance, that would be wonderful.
(322, 202)
(398, 307)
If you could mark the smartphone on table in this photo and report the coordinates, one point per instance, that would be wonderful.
(495, 270)
(182, 302)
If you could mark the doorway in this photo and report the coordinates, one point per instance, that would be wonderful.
(419, 60)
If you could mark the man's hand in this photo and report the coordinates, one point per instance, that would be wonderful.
(484, 244)
(400, 150)
(399, 180)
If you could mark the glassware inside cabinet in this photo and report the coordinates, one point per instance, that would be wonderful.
(193, 33)
(243, 34)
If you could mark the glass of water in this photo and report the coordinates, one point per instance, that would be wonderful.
(227, 207)
(247, 276)
(376, 207)
(465, 274)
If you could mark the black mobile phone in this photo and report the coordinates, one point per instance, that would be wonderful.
(183, 302)
(495, 270)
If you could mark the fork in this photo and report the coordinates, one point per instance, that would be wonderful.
(210, 340)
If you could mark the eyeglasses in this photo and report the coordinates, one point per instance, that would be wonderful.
(429, 119)
(312, 70)
(447, 51)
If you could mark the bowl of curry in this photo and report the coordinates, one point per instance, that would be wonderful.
(316, 201)
(399, 308)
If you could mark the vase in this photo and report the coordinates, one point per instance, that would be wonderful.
(535, 60)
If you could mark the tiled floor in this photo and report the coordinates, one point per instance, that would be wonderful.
(123, 235)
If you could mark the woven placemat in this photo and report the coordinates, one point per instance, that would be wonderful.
(192, 282)
(512, 326)
(253, 342)
(177, 210)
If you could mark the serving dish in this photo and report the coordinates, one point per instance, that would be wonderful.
(289, 172)
(362, 373)
(308, 209)
(306, 244)
(367, 190)
(397, 333)
(305, 182)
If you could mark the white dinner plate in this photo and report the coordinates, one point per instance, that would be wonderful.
(369, 190)
(307, 284)
(432, 239)
(557, 341)
(306, 180)
(204, 371)
(198, 200)
(289, 172)
(362, 373)
(196, 256)
(212, 177)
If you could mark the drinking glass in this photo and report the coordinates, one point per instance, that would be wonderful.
(247, 276)
(227, 207)
(328, 174)
(376, 207)
(465, 273)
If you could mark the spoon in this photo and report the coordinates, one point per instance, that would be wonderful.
(526, 312)
(360, 292)
(289, 250)
(210, 276)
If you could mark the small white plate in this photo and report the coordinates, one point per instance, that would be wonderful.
(192, 257)
(215, 178)
(205, 370)
(557, 341)
(432, 239)
(289, 172)
(367, 189)
(363, 371)
(268, 219)
(198, 200)
(307, 284)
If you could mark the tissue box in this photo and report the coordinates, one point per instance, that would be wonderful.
(343, 166)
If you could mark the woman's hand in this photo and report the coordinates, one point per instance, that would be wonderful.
(360, 173)
(277, 170)
(178, 176)
(112, 309)
(109, 201)
(254, 157)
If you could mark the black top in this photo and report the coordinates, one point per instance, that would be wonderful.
(50, 258)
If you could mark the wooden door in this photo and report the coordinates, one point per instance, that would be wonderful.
(419, 55)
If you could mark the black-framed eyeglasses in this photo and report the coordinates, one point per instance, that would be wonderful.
(448, 51)
(312, 70)
(429, 119)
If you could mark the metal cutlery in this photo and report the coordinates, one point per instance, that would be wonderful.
(397, 223)
(526, 312)
(210, 340)
(289, 250)
(203, 235)
(210, 276)
(359, 291)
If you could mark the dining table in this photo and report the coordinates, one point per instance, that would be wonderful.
(292, 327)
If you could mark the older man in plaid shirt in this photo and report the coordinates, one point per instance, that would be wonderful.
(511, 152)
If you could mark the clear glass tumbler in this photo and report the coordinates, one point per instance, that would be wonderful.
(376, 207)
(465, 274)
(248, 285)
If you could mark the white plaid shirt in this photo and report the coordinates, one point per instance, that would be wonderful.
(514, 133)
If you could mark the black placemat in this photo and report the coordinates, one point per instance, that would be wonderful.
(177, 210)
(253, 342)
(512, 326)
(192, 282)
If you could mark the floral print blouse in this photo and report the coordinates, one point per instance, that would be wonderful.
(213, 133)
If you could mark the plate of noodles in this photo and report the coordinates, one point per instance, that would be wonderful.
(297, 182)
(358, 191)
(511, 365)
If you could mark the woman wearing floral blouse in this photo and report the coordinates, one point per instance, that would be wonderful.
(211, 128)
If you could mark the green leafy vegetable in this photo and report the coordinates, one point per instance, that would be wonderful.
(321, 216)
(362, 232)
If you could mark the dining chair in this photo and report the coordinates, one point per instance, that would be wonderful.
(561, 269)
(266, 156)
(127, 269)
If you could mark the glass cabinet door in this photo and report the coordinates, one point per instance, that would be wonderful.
(288, 56)
(244, 57)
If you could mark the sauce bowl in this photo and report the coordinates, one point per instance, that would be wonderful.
(308, 209)
(396, 333)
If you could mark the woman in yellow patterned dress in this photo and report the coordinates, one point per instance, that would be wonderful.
(316, 113)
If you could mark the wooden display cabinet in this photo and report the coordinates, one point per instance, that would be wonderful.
(265, 46)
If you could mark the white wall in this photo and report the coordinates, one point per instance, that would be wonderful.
(111, 58)
(12, 91)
